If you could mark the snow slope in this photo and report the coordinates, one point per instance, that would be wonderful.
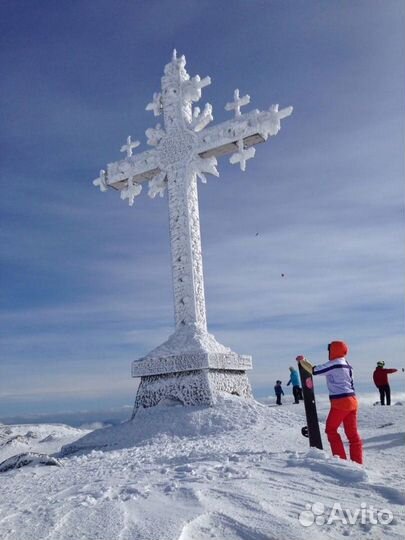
(239, 470)
(41, 438)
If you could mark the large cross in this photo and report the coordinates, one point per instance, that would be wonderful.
(184, 150)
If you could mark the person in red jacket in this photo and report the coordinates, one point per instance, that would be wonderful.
(380, 378)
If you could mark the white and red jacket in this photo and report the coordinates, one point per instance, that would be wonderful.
(338, 372)
(338, 377)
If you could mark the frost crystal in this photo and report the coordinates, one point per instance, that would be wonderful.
(101, 181)
(237, 103)
(273, 125)
(157, 185)
(154, 135)
(129, 146)
(242, 155)
(192, 88)
(201, 119)
(207, 165)
(133, 190)
(156, 104)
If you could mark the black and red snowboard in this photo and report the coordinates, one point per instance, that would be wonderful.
(312, 429)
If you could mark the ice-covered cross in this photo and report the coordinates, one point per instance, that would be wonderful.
(183, 150)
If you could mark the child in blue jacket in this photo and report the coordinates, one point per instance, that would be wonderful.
(279, 392)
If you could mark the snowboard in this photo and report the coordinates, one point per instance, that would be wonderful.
(312, 429)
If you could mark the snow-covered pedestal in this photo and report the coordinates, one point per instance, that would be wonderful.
(191, 365)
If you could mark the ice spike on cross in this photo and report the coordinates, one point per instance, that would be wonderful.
(157, 185)
(156, 104)
(237, 103)
(201, 119)
(242, 155)
(154, 135)
(129, 146)
(192, 88)
(133, 190)
(101, 181)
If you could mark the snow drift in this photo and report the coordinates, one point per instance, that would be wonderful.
(235, 471)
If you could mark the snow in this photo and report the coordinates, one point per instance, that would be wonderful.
(188, 339)
(41, 438)
(236, 470)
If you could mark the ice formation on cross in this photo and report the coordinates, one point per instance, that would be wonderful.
(191, 365)
(129, 146)
(237, 103)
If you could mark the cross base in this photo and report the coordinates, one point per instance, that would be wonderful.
(197, 387)
(191, 361)
(191, 366)
(190, 348)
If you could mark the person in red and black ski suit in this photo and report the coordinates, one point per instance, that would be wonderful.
(380, 378)
(343, 401)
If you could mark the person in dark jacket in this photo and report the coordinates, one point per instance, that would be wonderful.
(279, 392)
(380, 378)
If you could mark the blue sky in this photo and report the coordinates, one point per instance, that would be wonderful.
(86, 283)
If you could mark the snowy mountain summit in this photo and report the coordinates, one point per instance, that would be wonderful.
(238, 470)
(170, 419)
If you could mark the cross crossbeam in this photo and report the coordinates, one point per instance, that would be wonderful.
(252, 128)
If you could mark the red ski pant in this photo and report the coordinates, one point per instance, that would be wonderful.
(336, 416)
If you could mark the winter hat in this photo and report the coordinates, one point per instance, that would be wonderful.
(278, 382)
(337, 349)
(300, 358)
(291, 368)
(381, 364)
